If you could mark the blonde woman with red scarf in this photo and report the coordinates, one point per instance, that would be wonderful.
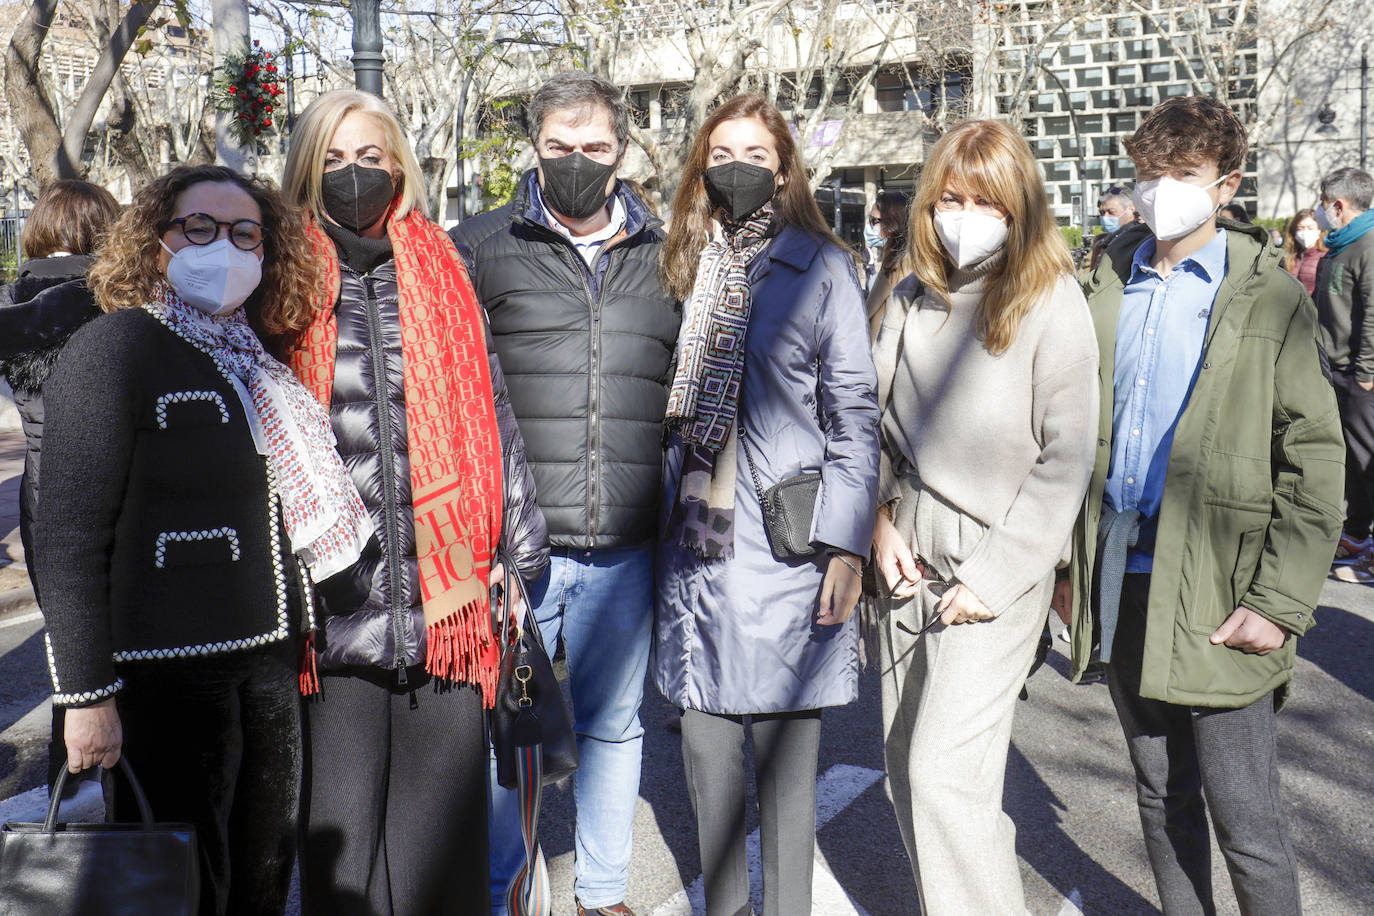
(395, 792)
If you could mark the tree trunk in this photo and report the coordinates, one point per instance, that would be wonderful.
(98, 84)
(230, 35)
(30, 106)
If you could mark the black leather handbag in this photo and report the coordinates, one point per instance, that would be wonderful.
(788, 507)
(529, 711)
(53, 869)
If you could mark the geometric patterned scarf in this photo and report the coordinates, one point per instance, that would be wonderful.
(325, 519)
(704, 399)
(451, 433)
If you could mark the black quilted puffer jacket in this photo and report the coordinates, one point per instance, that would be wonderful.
(370, 614)
(588, 352)
(39, 311)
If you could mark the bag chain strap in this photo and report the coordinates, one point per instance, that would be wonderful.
(749, 458)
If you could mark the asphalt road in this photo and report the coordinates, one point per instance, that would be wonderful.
(1068, 789)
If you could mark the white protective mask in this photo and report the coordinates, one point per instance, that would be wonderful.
(1307, 238)
(215, 278)
(1173, 208)
(969, 236)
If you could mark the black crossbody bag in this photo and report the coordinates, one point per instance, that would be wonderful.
(788, 507)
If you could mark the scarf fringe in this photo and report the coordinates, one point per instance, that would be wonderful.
(460, 647)
(309, 673)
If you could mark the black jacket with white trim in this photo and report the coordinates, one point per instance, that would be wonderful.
(160, 535)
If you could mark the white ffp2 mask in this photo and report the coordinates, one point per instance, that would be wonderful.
(1173, 208)
(215, 278)
(969, 236)
(1307, 238)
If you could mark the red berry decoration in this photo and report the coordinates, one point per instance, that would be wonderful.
(246, 88)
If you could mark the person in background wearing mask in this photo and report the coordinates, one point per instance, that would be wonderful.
(395, 795)
(208, 493)
(1303, 249)
(989, 362)
(886, 234)
(1114, 212)
(1204, 543)
(774, 379)
(1344, 294)
(568, 273)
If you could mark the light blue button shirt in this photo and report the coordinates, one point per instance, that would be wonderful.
(1159, 341)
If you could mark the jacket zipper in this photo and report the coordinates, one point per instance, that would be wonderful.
(579, 265)
(384, 445)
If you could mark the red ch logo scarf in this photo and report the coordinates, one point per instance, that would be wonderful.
(451, 432)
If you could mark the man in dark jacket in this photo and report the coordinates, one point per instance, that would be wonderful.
(1211, 514)
(1345, 288)
(568, 273)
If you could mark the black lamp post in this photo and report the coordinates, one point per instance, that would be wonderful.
(367, 45)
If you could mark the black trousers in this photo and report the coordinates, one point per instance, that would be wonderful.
(1357, 422)
(216, 741)
(395, 807)
(1189, 759)
(785, 753)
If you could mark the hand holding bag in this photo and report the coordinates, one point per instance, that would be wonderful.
(788, 507)
(53, 869)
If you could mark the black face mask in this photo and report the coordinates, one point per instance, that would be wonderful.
(739, 188)
(355, 196)
(575, 186)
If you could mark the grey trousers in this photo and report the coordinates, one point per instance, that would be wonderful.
(785, 750)
(1190, 758)
(948, 702)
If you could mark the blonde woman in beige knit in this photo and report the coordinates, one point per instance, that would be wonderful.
(987, 365)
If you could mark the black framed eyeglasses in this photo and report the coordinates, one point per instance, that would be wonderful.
(875, 221)
(202, 229)
(1114, 189)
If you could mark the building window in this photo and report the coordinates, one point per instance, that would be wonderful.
(1156, 72)
(1138, 50)
(1122, 122)
(1092, 76)
(639, 106)
(906, 89)
(672, 102)
(1124, 76)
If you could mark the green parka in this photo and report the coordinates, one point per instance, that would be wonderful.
(1252, 496)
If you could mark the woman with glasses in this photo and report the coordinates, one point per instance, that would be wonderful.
(987, 373)
(190, 490)
(398, 348)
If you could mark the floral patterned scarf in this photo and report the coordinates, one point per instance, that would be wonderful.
(325, 519)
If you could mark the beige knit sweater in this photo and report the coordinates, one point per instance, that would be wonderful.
(1008, 439)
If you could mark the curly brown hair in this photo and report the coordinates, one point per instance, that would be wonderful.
(126, 274)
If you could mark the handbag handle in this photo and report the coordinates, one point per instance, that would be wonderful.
(512, 576)
(144, 810)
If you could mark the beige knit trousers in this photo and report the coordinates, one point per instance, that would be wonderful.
(948, 701)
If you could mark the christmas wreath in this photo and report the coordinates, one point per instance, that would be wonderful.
(248, 89)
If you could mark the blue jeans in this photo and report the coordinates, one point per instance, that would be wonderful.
(601, 603)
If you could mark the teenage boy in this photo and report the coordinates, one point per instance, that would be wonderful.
(1212, 513)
